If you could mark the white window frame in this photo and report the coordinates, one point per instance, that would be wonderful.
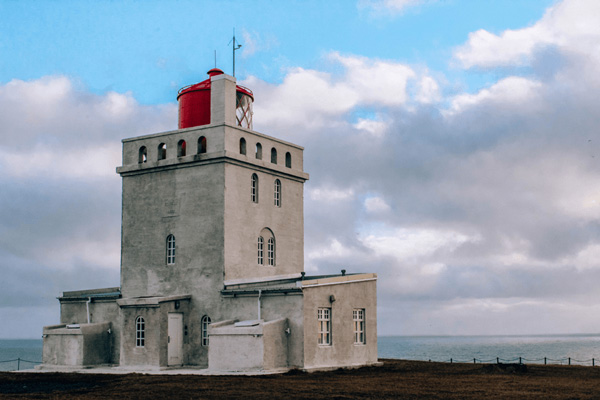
(324, 326)
(170, 249)
(204, 329)
(261, 250)
(254, 189)
(140, 332)
(358, 317)
(271, 251)
(277, 193)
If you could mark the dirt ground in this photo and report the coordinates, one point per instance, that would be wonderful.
(395, 379)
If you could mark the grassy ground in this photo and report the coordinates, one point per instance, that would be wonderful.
(395, 379)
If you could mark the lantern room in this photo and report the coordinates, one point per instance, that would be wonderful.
(194, 103)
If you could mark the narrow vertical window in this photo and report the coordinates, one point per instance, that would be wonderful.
(162, 151)
(181, 148)
(143, 156)
(254, 188)
(261, 247)
(358, 316)
(243, 146)
(273, 155)
(204, 328)
(140, 332)
(258, 153)
(324, 321)
(271, 251)
(170, 250)
(277, 193)
(201, 145)
(288, 160)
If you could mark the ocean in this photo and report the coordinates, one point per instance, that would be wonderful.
(533, 349)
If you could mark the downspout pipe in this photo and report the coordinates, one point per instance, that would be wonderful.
(87, 306)
(259, 294)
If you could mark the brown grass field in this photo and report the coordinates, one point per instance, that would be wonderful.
(395, 379)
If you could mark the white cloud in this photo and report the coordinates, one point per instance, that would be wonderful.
(373, 127)
(391, 6)
(376, 205)
(66, 163)
(376, 82)
(571, 25)
(313, 98)
(428, 91)
(253, 42)
(409, 245)
(513, 92)
(326, 194)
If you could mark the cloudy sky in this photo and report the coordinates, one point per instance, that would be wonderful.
(453, 146)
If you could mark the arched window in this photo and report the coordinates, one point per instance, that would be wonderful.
(254, 188)
(162, 151)
(204, 328)
(266, 235)
(140, 332)
(201, 145)
(181, 148)
(261, 249)
(277, 193)
(243, 146)
(143, 156)
(273, 155)
(170, 250)
(258, 151)
(271, 251)
(288, 160)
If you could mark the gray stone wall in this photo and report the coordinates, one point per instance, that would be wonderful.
(342, 351)
(75, 312)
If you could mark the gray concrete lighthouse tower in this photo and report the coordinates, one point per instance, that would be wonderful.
(212, 257)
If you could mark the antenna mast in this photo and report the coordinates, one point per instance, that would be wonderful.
(234, 49)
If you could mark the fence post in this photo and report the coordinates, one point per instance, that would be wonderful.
(450, 361)
(474, 361)
(593, 364)
(569, 360)
(497, 360)
(520, 362)
(544, 360)
(18, 363)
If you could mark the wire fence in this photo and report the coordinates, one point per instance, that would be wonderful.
(17, 364)
(521, 360)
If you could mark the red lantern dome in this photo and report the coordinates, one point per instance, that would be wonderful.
(194, 104)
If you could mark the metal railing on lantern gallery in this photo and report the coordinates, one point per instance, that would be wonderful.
(17, 364)
(521, 360)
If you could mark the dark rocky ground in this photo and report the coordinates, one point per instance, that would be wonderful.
(395, 379)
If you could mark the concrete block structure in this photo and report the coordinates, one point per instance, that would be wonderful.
(212, 257)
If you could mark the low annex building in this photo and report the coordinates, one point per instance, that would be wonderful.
(212, 257)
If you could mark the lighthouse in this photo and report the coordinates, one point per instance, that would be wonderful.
(212, 257)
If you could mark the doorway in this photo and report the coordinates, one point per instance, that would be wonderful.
(175, 339)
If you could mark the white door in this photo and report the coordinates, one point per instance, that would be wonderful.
(175, 348)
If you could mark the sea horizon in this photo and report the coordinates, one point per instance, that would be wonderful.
(551, 348)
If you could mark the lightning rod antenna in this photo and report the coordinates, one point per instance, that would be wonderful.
(235, 47)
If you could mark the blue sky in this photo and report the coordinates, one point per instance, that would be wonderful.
(152, 47)
(452, 146)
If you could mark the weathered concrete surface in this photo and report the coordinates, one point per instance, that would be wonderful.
(155, 312)
(259, 347)
(350, 292)
(84, 346)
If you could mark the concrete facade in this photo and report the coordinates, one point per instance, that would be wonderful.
(196, 204)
